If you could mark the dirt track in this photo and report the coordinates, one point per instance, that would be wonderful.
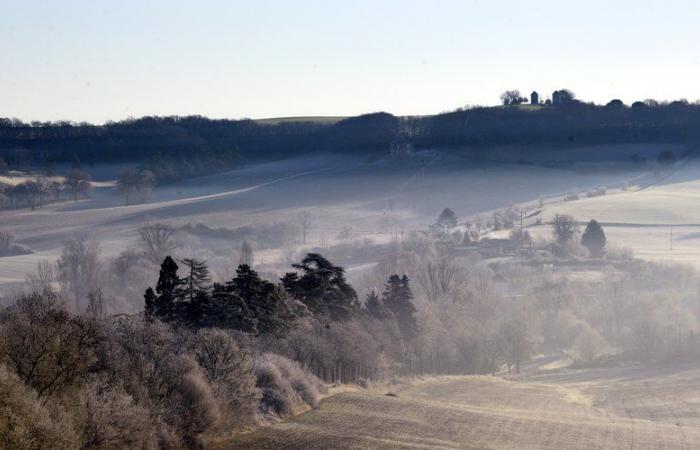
(613, 408)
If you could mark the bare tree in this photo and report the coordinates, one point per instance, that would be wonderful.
(247, 255)
(6, 241)
(96, 308)
(564, 227)
(157, 240)
(512, 97)
(136, 186)
(305, 223)
(78, 268)
(43, 279)
(515, 344)
(77, 182)
(442, 280)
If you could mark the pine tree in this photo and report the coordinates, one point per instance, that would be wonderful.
(398, 299)
(594, 239)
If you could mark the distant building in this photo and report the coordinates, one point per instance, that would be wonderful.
(534, 98)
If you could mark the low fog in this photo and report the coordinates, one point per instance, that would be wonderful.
(179, 315)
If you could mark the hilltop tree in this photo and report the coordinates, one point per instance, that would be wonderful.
(512, 97)
(398, 298)
(322, 288)
(594, 239)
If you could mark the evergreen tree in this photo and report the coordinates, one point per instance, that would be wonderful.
(322, 288)
(594, 239)
(149, 303)
(196, 279)
(262, 299)
(228, 310)
(193, 298)
(375, 307)
(398, 299)
(167, 289)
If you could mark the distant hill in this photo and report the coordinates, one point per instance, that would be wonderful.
(471, 130)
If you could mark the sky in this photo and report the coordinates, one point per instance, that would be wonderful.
(105, 60)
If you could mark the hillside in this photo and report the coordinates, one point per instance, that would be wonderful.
(604, 408)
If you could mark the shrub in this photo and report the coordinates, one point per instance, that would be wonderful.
(286, 387)
(113, 420)
(26, 422)
(229, 368)
(48, 348)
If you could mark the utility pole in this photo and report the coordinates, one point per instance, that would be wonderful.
(670, 240)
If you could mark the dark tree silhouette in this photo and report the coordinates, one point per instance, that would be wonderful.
(196, 279)
(322, 288)
(594, 239)
(512, 97)
(375, 307)
(167, 289)
(398, 298)
(447, 219)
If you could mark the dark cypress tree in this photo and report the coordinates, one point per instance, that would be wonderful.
(167, 289)
(594, 239)
(398, 299)
(322, 288)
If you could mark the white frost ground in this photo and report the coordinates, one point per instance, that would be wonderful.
(647, 219)
(339, 191)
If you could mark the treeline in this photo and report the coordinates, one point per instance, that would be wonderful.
(313, 306)
(36, 193)
(177, 146)
(178, 138)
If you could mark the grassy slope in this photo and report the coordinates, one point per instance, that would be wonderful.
(612, 408)
(640, 219)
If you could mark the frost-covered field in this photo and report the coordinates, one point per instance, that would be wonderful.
(374, 199)
(658, 219)
(605, 408)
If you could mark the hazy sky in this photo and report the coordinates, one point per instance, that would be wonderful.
(101, 60)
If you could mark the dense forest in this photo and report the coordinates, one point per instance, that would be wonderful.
(203, 143)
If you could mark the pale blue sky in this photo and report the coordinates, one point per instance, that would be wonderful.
(100, 60)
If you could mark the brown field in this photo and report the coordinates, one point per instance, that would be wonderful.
(649, 408)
